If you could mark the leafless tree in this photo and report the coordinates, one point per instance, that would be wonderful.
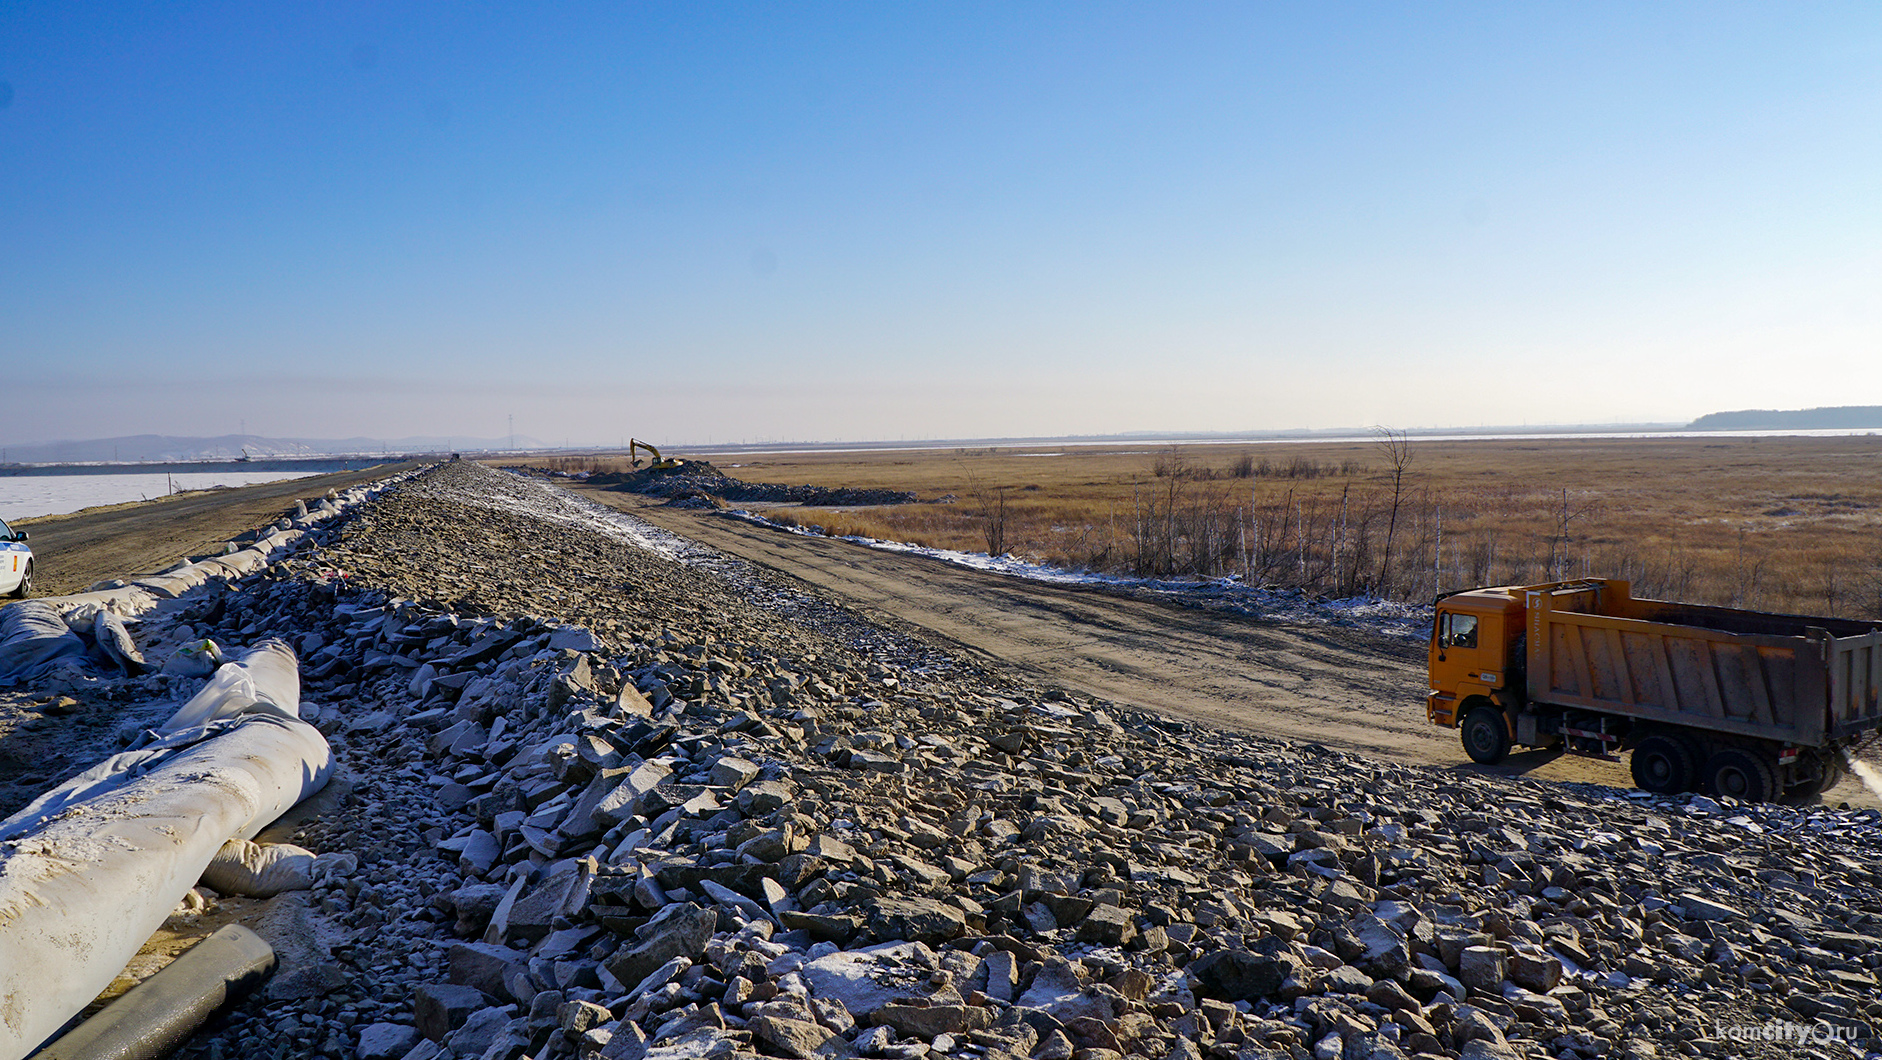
(1563, 538)
(1396, 448)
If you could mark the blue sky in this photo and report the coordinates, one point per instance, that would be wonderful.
(860, 221)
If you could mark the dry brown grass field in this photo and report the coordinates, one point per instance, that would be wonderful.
(1782, 524)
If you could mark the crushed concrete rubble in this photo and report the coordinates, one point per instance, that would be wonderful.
(609, 803)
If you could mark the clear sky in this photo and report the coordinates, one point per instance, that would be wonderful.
(804, 221)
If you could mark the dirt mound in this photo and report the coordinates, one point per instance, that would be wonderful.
(697, 477)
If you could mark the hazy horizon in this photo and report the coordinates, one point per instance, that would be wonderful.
(163, 448)
(838, 222)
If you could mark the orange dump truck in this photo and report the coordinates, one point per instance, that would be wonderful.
(1715, 699)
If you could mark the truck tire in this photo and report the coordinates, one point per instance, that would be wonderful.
(1743, 774)
(1486, 735)
(1664, 764)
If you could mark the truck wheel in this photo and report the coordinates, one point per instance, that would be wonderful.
(1486, 735)
(1664, 764)
(1743, 774)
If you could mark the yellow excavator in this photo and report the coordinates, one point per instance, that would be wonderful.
(657, 463)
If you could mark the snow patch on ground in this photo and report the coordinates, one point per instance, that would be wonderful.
(534, 497)
(1410, 622)
(539, 500)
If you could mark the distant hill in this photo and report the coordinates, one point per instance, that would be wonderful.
(1841, 417)
(157, 448)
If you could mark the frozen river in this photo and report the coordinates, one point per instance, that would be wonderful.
(25, 496)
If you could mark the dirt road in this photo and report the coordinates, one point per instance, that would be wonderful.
(1335, 686)
(71, 552)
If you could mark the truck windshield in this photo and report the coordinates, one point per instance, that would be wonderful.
(1457, 631)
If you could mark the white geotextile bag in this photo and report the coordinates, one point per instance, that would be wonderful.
(245, 867)
(262, 870)
(267, 681)
(90, 869)
(264, 683)
(198, 658)
(34, 641)
(115, 642)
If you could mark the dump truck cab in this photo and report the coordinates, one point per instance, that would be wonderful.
(1476, 660)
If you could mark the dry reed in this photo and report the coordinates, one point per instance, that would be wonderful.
(1782, 524)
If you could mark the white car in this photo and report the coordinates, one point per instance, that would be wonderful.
(16, 562)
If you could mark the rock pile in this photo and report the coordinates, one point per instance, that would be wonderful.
(609, 803)
(698, 478)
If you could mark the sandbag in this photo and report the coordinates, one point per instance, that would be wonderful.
(263, 870)
(248, 868)
(246, 561)
(231, 566)
(114, 641)
(142, 594)
(263, 683)
(123, 599)
(266, 680)
(173, 583)
(34, 641)
(198, 658)
(89, 870)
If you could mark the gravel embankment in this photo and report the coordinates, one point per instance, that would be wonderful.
(617, 796)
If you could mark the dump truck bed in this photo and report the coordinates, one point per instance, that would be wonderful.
(1801, 681)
